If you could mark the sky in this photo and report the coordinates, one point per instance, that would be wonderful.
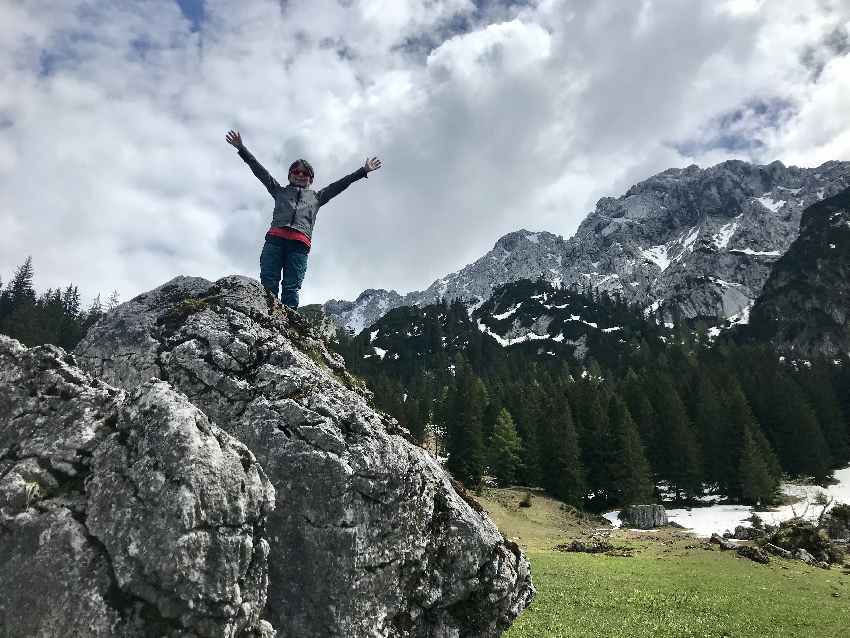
(488, 116)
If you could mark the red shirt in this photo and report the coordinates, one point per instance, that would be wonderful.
(288, 233)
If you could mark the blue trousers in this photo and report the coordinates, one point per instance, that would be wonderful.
(286, 258)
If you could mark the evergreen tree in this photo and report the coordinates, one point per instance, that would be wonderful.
(21, 321)
(464, 423)
(504, 449)
(711, 423)
(818, 383)
(593, 441)
(678, 452)
(757, 485)
(564, 478)
(629, 474)
(742, 430)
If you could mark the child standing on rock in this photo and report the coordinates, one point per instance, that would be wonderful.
(295, 209)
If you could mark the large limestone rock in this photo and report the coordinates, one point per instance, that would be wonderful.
(122, 515)
(644, 516)
(369, 538)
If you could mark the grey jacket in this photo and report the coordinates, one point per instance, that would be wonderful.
(296, 207)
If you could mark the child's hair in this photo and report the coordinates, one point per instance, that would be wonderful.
(305, 164)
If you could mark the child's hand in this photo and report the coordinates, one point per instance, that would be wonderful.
(372, 164)
(234, 139)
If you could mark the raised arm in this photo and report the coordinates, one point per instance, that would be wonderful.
(234, 139)
(332, 190)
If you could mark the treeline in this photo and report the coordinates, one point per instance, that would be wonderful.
(689, 415)
(55, 316)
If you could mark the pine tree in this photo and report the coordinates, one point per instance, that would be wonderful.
(711, 422)
(504, 449)
(757, 485)
(21, 321)
(564, 477)
(678, 451)
(465, 445)
(629, 476)
(594, 433)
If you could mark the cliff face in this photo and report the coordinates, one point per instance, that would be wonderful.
(369, 538)
(123, 515)
(804, 309)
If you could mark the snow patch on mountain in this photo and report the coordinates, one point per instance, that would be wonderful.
(773, 205)
(721, 237)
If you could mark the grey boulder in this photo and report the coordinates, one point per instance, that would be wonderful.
(369, 537)
(122, 515)
(644, 516)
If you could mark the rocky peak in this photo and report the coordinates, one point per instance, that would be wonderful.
(369, 536)
(803, 309)
(691, 242)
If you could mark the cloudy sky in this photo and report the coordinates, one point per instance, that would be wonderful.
(489, 116)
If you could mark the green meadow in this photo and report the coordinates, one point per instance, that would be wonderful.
(673, 585)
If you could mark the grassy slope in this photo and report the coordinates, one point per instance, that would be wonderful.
(674, 585)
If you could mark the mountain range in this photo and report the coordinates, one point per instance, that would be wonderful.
(686, 243)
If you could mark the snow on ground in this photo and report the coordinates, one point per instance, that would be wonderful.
(772, 205)
(508, 313)
(721, 237)
(743, 317)
(592, 324)
(705, 521)
(379, 351)
(725, 284)
(750, 251)
(531, 336)
(534, 238)
(372, 335)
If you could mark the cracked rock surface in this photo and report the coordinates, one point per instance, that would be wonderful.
(369, 537)
(123, 515)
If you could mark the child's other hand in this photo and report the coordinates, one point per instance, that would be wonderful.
(234, 139)
(372, 164)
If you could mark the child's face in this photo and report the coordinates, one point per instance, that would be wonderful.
(300, 176)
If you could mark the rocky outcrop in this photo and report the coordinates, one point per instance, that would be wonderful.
(123, 515)
(755, 554)
(777, 551)
(804, 309)
(644, 516)
(743, 533)
(692, 242)
(369, 538)
(725, 544)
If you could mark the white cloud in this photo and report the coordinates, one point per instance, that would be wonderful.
(488, 117)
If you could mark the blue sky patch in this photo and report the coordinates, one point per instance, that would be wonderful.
(193, 10)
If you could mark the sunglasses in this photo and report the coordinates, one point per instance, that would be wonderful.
(301, 171)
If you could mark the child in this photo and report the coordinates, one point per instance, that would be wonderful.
(295, 209)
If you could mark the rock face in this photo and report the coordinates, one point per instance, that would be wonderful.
(644, 516)
(804, 309)
(369, 538)
(122, 515)
(692, 242)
